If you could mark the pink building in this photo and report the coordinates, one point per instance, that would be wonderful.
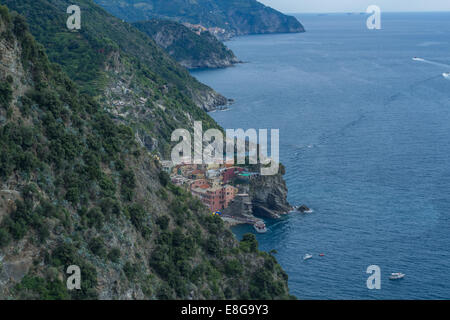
(217, 198)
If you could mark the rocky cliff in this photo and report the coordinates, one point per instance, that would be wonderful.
(192, 50)
(268, 195)
(225, 18)
(261, 197)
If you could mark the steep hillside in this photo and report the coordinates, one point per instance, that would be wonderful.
(236, 17)
(76, 189)
(108, 54)
(190, 49)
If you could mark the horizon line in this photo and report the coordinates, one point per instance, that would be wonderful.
(387, 11)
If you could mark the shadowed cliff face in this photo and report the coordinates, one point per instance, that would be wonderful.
(236, 17)
(268, 195)
(260, 197)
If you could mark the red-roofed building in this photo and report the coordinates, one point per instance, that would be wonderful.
(201, 183)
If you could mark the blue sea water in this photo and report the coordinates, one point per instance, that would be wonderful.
(365, 138)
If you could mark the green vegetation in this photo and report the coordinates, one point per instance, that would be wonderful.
(5, 94)
(249, 243)
(36, 287)
(97, 247)
(49, 146)
(131, 270)
(164, 178)
(105, 44)
(89, 195)
(139, 218)
(67, 254)
(187, 47)
(114, 255)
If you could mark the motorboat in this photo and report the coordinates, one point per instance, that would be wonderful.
(307, 256)
(396, 276)
(260, 227)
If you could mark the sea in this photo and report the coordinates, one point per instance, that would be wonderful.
(364, 120)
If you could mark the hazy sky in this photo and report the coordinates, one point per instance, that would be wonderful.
(356, 5)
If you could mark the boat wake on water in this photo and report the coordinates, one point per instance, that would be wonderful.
(446, 75)
(431, 62)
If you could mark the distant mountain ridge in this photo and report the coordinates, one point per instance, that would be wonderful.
(192, 50)
(227, 17)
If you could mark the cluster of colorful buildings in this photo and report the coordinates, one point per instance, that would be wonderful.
(215, 185)
(198, 29)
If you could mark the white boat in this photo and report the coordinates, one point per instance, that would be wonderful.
(446, 75)
(396, 276)
(260, 227)
(307, 256)
(418, 59)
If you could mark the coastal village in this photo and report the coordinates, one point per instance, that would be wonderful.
(199, 29)
(219, 187)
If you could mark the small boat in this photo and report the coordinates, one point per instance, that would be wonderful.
(396, 276)
(322, 255)
(307, 256)
(260, 227)
(446, 75)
